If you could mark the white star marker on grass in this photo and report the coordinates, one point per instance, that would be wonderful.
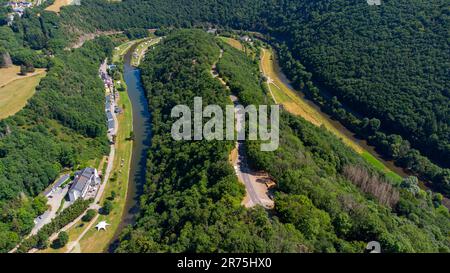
(101, 225)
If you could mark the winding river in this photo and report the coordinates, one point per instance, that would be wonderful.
(141, 144)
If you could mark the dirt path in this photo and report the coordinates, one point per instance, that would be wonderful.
(74, 246)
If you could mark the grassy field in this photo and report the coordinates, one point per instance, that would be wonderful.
(58, 4)
(233, 42)
(15, 90)
(140, 50)
(122, 49)
(10, 74)
(294, 103)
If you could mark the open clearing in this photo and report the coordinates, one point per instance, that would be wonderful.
(10, 74)
(141, 49)
(58, 4)
(15, 90)
(233, 42)
(291, 100)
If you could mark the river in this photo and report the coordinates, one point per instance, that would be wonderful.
(361, 142)
(141, 144)
(341, 128)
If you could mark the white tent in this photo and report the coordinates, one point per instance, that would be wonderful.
(102, 225)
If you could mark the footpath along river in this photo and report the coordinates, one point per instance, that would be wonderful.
(141, 144)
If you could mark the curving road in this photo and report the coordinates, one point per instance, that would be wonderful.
(257, 192)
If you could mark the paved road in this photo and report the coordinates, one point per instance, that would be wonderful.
(54, 203)
(256, 191)
(95, 205)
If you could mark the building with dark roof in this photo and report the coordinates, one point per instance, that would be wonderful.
(83, 181)
(58, 184)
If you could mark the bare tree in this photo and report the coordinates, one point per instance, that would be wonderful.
(373, 184)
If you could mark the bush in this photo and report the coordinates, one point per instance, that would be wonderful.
(61, 241)
(90, 214)
(107, 207)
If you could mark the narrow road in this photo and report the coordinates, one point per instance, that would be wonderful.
(54, 203)
(257, 192)
(96, 203)
(73, 244)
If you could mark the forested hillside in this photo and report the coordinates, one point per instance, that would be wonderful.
(328, 192)
(192, 197)
(381, 70)
(63, 125)
(387, 65)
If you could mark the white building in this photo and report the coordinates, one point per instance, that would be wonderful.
(84, 181)
(374, 2)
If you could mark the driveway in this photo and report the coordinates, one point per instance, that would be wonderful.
(54, 202)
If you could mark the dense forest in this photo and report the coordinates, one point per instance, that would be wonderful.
(381, 70)
(322, 183)
(192, 197)
(386, 64)
(62, 126)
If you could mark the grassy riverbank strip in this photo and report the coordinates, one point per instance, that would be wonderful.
(83, 237)
(295, 104)
(116, 190)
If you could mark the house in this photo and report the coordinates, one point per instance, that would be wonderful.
(245, 38)
(84, 182)
(212, 31)
(109, 116)
(57, 185)
(374, 2)
(111, 126)
(10, 19)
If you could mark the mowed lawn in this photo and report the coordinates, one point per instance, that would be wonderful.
(98, 241)
(141, 49)
(16, 90)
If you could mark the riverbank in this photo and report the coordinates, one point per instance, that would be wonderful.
(89, 239)
(82, 236)
(141, 48)
(141, 145)
(95, 241)
(295, 103)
